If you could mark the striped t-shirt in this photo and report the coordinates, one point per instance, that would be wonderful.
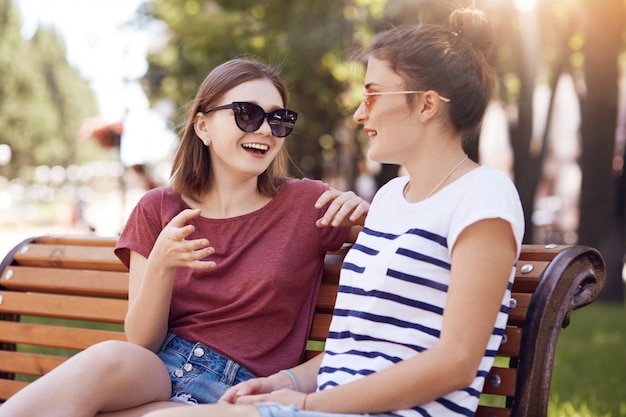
(394, 282)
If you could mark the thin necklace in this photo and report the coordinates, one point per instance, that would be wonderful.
(406, 189)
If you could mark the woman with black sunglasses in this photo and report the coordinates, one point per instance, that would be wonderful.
(224, 264)
(424, 292)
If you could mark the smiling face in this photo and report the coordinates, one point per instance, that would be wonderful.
(233, 150)
(387, 119)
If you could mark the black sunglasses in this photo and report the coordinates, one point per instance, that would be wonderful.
(249, 117)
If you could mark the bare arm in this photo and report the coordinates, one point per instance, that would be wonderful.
(152, 279)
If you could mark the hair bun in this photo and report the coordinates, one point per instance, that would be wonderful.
(473, 26)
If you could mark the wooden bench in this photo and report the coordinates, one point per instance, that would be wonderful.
(76, 283)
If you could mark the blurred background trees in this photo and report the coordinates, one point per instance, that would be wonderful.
(43, 100)
(543, 46)
(311, 41)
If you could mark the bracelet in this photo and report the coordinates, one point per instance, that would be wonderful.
(293, 378)
(304, 402)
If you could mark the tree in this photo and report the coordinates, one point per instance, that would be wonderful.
(546, 51)
(601, 204)
(20, 89)
(520, 49)
(67, 93)
(43, 99)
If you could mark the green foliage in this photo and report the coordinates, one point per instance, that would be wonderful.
(589, 367)
(67, 92)
(43, 100)
(311, 41)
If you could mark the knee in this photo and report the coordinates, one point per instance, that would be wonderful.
(106, 357)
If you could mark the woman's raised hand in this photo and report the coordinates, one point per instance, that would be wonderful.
(174, 250)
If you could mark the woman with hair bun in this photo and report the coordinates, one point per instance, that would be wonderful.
(424, 292)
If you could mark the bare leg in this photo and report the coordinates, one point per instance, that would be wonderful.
(208, 410)
(108, 376)
(142, 409)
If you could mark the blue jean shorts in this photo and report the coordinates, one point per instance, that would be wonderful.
(199, 375)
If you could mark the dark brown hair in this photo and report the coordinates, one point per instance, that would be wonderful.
(450, 59)
(192, 173)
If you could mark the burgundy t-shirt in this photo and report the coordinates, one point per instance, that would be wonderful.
(257, 304)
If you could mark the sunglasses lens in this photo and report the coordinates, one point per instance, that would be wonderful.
(249, 118)
(282, 122)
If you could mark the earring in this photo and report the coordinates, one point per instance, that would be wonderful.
(207, 141)
(422, 118)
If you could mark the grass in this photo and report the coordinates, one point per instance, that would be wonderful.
(589, 375)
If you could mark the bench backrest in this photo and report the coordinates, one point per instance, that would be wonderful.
(61, 294)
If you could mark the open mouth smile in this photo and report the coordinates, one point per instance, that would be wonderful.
(256, 148)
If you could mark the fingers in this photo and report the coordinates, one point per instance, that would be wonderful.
(282, 396)
(246, 388)
(178, 225)
(230, 396)
(252, 399)
(345, 209)
(182, 253)
(182, 218)
(327, 196)
(173, 249)
(195, 251)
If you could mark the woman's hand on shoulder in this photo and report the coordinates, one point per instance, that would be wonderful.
(174, 250)
(345, 209)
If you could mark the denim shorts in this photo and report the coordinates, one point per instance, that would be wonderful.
(199, 375)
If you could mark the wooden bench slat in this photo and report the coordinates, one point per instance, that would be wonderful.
(78, 240)
(332, 265)
(527, 275)
(319, 328)
(487, 411)
(511, 343)
(35, 364)
(68, 256)
(540, 252)
(9, 387)
(54, 336)
(64, 306)
(501, 381)
(517, 314)
(326, 298)
(310, 354)
(66, 281)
